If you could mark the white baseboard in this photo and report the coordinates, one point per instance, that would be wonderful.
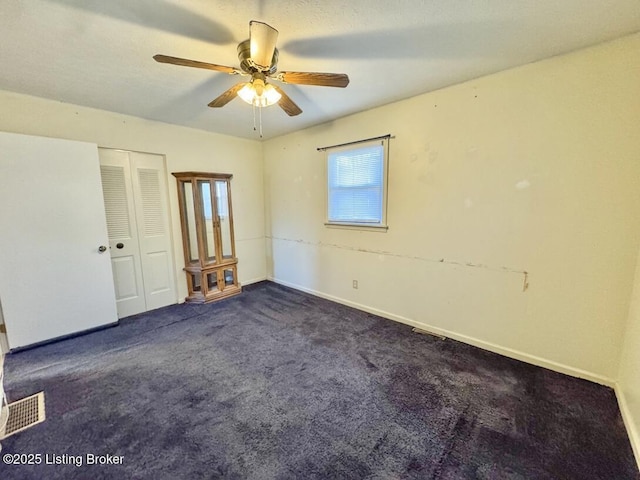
(632, 431)
(506, 351)
(253, 280)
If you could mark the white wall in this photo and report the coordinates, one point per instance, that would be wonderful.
(629, 376)
(534, 169)
(185, 150)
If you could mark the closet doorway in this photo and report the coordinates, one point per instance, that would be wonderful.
(134, 187)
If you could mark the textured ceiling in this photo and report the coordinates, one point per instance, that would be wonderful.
(98, 53)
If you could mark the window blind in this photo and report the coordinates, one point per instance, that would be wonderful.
(356, 185)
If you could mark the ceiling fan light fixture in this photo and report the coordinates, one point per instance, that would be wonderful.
(259, 94)
(247, 93)
(271, 95)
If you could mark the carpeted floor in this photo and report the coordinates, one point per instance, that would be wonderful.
(277, 384)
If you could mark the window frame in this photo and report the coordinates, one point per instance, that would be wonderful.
(382, 226)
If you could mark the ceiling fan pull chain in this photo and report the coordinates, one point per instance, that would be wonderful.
(260, 114)
(254, 117)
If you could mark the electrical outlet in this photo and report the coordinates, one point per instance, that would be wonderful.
(355, 284)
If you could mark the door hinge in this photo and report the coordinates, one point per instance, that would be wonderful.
(3, 329)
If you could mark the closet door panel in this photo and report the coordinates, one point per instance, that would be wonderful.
(124, 249)
(150, 192)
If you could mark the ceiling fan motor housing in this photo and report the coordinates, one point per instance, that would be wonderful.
(248, 66)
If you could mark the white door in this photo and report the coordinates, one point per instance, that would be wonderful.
(123, 232)
(54, 280)
(149, 180)
(137, 209)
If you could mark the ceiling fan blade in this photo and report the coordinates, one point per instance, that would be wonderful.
(262, 38)
(227, 96)
(314, 78)
(194, 63)
(288, 105)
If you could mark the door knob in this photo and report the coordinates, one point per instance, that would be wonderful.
(119, 245)
(102, 249)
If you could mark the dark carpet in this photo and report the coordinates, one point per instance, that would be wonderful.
(278, 384)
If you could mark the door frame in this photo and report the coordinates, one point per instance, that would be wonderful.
(4, 341)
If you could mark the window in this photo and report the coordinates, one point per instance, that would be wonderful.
(357, 184)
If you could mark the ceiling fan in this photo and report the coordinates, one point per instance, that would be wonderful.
(259, 59)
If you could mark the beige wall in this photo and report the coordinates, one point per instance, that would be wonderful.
(629, 376)
(534, 169)
(184, 148)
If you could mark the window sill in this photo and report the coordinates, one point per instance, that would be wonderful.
(358, 226)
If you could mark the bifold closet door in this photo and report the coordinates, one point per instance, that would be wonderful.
(136, 205)
(149, 179)
(123, 231)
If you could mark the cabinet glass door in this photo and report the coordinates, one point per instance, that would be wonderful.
(229, 277)
(208, 221)
(222, 200)
(191, 232)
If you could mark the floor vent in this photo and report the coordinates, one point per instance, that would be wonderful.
(24, 414)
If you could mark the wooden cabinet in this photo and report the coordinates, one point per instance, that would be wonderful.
(206, 218)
